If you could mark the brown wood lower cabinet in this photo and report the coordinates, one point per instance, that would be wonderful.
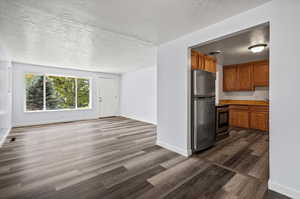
(239, 116)
(259, 117)
(248, 116)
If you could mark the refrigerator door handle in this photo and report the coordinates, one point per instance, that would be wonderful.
(195, 126)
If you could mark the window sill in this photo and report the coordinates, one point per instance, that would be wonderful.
(60, 110)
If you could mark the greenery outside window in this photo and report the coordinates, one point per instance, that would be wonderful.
(50, 92)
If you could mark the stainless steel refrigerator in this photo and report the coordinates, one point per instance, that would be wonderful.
(203, 110)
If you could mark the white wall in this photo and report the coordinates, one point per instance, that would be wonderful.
(174, 83)
(285, 102)
(5, 93)
(260, 93)
(138, 95)
(21, 118)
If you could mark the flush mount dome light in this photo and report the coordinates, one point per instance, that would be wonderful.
(215, 52)
(257, 48)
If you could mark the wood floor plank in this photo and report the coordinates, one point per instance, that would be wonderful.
(169, 180)
(117, 158)
(203, 185)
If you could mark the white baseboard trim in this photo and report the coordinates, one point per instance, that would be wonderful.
(24, 124)
(139, 119)
(180, 151)
(284, 190)
(3, 138)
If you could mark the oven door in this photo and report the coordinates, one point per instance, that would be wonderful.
(222, 120)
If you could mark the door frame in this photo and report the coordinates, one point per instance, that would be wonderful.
(117, 79)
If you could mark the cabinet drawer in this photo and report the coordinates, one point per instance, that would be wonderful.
(240, 107)
(259, 108)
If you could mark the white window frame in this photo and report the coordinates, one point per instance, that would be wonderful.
(44, 93)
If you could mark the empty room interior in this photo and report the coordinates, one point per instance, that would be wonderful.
(176, 99)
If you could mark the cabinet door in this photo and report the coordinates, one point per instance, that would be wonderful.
(259, 117)
(239, 118)
(261, 73)
(201, 61)
(194, 60)
(233, 118)
(209, 64)
(259, 120)
(230, 78)
(245, 77)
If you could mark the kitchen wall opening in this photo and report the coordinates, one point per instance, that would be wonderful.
(229, 93)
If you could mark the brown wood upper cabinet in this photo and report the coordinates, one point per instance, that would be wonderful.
(210, 64)
(261, 73)
(238, 77)
(194, 60)
(230, 78)
(203, 62)
(245, 77)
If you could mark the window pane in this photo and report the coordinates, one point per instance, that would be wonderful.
(34, 92)
(60, 93)
(83, 93)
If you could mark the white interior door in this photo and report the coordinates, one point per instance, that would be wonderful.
(108, 96)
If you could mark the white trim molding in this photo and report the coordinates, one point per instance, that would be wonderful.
(56, 121)
(290, 192)
(137, 119)
(45, 76)
(175, 149)
(3, 138)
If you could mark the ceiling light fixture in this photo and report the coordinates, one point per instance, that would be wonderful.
(257, 48)
(215, 52)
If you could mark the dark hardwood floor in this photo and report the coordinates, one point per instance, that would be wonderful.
(117, 158)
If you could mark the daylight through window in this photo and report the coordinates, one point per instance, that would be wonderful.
(49, 92)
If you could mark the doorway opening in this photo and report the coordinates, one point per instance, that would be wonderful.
(233, 72)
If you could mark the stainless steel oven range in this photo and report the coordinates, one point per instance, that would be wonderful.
(222, 123)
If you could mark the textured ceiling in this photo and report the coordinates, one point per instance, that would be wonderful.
(104, 35)
(234, 49)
